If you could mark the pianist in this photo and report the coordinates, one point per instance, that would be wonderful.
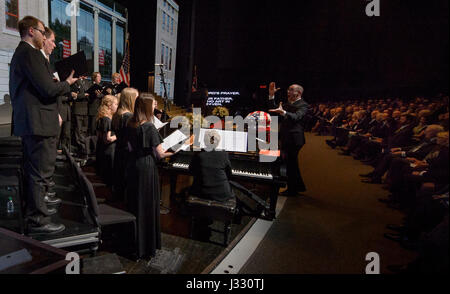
(211, 170)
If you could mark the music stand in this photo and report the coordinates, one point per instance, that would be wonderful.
(163, 209)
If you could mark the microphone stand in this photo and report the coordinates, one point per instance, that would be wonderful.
(166, 98)
(164, 210)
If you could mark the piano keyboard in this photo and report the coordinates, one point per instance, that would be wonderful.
(235, 172)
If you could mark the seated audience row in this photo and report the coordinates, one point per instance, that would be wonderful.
(407, 143)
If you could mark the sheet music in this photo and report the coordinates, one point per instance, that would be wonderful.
(231, 141)
(183, 147)
(173, 140)
(158, 124)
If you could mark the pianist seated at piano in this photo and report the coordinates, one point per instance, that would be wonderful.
(211, 170)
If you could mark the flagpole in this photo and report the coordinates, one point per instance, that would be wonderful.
(126, 24)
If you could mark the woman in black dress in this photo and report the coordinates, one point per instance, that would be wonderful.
(119, 124)
(106, 138)
(143, 191)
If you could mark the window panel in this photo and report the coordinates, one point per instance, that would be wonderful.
(85, 34)
(12, 14)
(105, 44)
(60, 24)
(120, 45)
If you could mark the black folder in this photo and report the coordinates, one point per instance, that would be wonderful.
(75, 62)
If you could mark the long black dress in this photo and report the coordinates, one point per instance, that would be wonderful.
(143, 190)
(105, 151)
(120, 155)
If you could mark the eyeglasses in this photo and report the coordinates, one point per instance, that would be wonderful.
(41, 31)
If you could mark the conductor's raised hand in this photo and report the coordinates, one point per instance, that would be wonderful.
(71, 80)
(273, 89)
(279, 110)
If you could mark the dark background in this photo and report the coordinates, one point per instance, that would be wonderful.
(332, 47)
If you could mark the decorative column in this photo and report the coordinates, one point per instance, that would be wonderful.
(96, 44)
(75, 9)
(114, 43)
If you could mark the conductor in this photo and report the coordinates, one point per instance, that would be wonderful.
(292, 135)
(34, 100)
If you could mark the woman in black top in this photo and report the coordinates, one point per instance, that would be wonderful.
(211, 170)
(143, 191)
(119, 124)
(106, 138)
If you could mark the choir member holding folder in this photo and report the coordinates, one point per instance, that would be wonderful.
(143, 191)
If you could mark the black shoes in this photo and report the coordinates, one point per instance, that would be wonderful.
(396, 228)
(369, 175)
(291, 193)
(372, 181)
(331, 143)
(48, 229)
(394, 237)
(50, 199)
(404, 241)
(385, 201)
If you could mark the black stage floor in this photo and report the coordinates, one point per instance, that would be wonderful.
(181, 253)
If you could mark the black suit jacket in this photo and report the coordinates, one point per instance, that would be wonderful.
(211, 171)
(34, 93)
(80, 105)
(363, 126)
(293, 124)
(421, 150)
(94, 100)
(116, 88)
(401, 137)
(438, 167)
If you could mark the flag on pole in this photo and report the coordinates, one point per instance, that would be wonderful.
(195, 80)
(125, 68)
(66, 48)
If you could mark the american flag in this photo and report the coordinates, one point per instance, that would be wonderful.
(66, 48)
(101, 59)
(195, 80)
(125, 68)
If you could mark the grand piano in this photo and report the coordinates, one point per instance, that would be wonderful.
(263, 179)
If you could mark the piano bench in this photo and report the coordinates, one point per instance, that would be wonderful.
(214, 210)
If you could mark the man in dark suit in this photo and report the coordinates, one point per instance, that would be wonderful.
(63, 137)
(33, 96)
(419, 151)
(292, 135)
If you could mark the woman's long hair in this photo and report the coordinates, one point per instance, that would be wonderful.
(143, 110)
(126, 104)
(103, 110)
